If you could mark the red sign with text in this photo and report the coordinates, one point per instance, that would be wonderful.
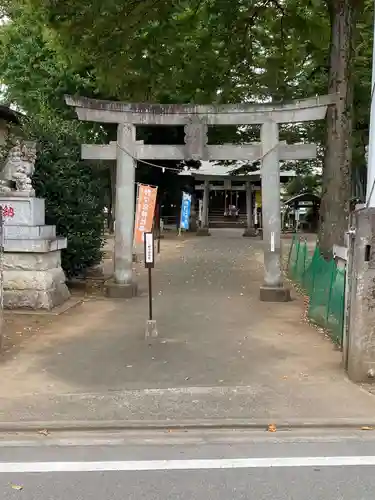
(145, 211)
(8, 211)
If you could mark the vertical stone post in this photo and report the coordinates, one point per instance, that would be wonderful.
(193, 215)
(124, 285)
(204, 230)
(361, 330)
(272, 290)
(250, 229)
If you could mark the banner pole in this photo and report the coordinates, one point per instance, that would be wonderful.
(149, 294)
(135, 220)
(149, 258)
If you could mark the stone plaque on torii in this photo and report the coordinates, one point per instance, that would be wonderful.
(196, 119)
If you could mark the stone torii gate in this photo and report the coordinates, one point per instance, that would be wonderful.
(196, 119)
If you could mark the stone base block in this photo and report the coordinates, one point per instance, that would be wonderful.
(203, 231)
(29, 232)
(32, 261)
(36, 299)
(34, 281)
(250, 232)
(38, 245)
(274, 294)
(28, 211)
(118, 291)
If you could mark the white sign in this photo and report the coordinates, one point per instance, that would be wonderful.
(149, 249)
(272, 242)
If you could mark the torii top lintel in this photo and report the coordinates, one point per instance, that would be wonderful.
(181, 114)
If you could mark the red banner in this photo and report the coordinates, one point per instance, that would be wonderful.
(145, 211)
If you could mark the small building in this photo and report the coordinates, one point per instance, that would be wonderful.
(227, 188)
(301, 212)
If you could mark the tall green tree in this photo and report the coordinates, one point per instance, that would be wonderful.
(72, 188)
(337, 171)
(36, 79)
(215, 51)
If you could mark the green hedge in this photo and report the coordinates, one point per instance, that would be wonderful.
(73, 189)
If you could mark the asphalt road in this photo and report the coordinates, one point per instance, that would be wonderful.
(189, 465)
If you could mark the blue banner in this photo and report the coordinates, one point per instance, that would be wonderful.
(185, 211)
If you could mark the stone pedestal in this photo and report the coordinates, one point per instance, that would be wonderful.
(250, 232)
(33, 277)
(203, 231)
(274, 294)
(118, 291)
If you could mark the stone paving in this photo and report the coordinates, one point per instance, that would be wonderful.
(221, 353)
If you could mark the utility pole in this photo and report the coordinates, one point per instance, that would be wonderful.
(359, 344)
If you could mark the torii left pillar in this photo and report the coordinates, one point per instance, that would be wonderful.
(250, 229)
(273, 289)
(204, 229)
(123, 284)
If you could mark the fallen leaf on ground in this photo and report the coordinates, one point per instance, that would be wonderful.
(272, 428)
(16, 487)
(367, 428)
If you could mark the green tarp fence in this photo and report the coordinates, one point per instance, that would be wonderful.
(323, 282)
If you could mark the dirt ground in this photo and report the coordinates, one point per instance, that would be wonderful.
(21, 327)
(220, 353)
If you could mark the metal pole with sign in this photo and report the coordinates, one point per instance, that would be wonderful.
(149, 251)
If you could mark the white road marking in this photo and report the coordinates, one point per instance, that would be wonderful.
(159, 465)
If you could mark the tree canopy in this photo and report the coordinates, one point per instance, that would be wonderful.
(203, 51)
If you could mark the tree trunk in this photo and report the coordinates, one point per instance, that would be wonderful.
(336, 189)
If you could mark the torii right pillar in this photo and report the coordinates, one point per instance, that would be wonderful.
(273, 289)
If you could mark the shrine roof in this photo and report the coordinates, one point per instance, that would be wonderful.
(211, 170)
(313, 108)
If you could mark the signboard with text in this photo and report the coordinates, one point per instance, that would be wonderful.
(23, 211)
(149, 250)
(145, 211)
(185, 211)
(8, 211)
